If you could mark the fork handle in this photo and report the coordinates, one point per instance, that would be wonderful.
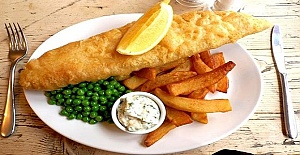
(9, 118)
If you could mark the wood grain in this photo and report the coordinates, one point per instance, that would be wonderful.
(261, 134)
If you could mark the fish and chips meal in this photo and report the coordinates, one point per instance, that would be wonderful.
(180, 69)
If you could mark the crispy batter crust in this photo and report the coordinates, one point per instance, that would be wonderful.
(96, 58)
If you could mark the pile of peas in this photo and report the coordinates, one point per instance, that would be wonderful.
(88, 101)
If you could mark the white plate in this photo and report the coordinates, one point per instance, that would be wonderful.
(244, 94)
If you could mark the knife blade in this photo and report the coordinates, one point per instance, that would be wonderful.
(278, 54)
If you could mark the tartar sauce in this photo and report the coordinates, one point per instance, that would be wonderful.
(138, 112)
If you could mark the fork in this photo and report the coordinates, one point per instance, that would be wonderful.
(17, 50)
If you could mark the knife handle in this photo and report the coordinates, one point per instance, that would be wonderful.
(288, 111)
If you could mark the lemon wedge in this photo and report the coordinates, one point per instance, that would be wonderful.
(148, 30)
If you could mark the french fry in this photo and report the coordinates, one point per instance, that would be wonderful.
(148, 73)
(170, 65)
(217, 59)
(198, 94)
(186, 66)
(157, 134)
(178, 117)
(134, 82)
(201, 68)
(206, 58)
(199, 117)
(200, 81)
(165, 79)
(223, 84)
(193, 105)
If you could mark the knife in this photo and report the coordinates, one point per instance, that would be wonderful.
(289, 115)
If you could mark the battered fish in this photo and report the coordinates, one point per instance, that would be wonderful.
(96, 57)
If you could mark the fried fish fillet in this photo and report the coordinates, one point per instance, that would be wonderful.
(96, 57)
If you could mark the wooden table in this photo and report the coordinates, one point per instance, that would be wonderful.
(262, 133)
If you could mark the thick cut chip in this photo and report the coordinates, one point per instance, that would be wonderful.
(200, 81)
(200, 117)
(148, 73)
(199, 94)
(186, 66)
(201, 68)
(134, 82)
(193, 105)
(165, 79)
(218, 60)
(178, 117)
(157, 134)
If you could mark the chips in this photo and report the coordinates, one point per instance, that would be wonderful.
(182, 85)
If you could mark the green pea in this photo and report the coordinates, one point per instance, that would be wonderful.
(78, 108)
(90, 86)
(80, 92)
(93, 103)
(86, 113)
(95, 98)
(67, 96)
(82, 84)
(69, 101)
(101, 93)
(84, 89)
(100, 81)
(97, 89)
(67, 92)
(92, 121)
(71, 116)
(89, 93)
(69, 109)
(52, 102)
(110, 86)
(85, 119)
(81, 97)
(64, 112)
(61, 101)
(108, 92)
(74, 90)
(99, 118)
(76, 101)
(105, 83)
(87, 108)
(95, 108)
(93, 114)
(102, 108)
(59, 96)
(85, 103)
(113, 82)
(79, 116)
(122, 88)
(53, 92)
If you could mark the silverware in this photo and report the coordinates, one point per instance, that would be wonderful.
(289, 115)
(17, 50)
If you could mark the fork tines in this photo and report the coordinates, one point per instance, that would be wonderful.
(17, 41)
